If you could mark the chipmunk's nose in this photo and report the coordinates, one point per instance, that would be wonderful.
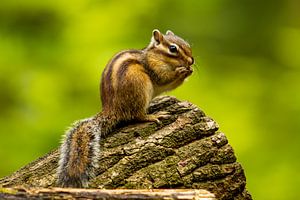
(191, 60)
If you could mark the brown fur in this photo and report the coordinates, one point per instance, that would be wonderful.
(128, 83)
(79, 147)
(134, 77)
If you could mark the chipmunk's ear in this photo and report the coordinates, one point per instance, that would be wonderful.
(169, 32)
(157, 36)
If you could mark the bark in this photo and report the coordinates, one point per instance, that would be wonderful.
(72, 193)
(184, 151)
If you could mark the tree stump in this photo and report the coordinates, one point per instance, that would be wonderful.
(184, 151)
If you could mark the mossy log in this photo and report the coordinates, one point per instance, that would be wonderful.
(184, 151)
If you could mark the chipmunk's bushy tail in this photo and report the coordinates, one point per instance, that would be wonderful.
(80, 150)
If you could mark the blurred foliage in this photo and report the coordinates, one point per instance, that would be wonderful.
(52, 54)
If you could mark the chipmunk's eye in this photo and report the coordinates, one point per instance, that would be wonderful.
(173, 48)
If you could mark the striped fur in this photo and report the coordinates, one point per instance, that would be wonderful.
(129, 82)
(156, 63)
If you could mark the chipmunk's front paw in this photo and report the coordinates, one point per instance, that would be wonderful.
(184, 71)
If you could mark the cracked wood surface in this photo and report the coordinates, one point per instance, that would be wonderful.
(184, 151)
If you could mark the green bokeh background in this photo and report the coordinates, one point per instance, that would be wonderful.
(247, 74)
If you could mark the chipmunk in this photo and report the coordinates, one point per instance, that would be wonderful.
(131, 79)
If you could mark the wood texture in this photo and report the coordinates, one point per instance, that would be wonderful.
(184, 151)
(67, 193)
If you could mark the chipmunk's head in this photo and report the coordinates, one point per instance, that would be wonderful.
(171, 49)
